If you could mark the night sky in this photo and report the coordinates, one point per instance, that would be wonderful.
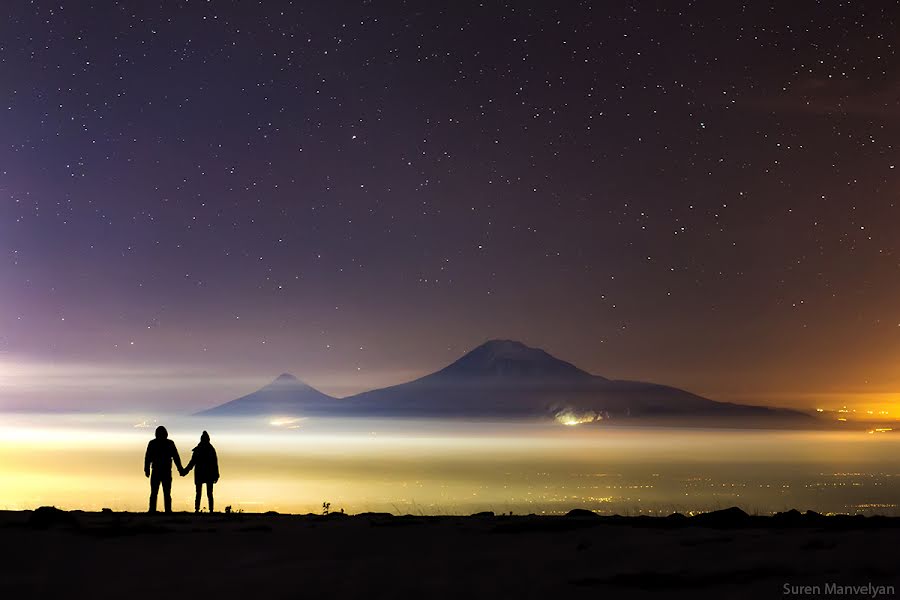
(196, 196)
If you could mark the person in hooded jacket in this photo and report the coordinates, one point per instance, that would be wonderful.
(161, 451)
(206, 465)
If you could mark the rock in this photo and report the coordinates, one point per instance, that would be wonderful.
(581, 512)
(729, 517)
(50, 516)
(790, 516)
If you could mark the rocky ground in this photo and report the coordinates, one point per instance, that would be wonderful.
(726, 554)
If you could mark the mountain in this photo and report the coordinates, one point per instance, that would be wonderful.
(507, 379)
(286, 395)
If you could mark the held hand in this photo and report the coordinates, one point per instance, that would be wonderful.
(146, 472)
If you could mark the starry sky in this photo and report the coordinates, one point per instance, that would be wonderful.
(198, 195)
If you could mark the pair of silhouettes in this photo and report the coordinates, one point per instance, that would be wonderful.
(161, 452)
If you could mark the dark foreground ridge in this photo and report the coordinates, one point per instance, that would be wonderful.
(722, 554)
(729, 518)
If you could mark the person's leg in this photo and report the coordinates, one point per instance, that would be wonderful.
(209, 495)
(167, 493)
(154, 491)
(199, 487)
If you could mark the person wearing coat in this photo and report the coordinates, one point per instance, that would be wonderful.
(161, 452)
(206, 470)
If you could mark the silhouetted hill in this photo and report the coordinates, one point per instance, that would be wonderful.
(507, 379)
(286, 395)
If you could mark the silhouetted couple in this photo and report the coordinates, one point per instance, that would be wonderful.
(161, 451)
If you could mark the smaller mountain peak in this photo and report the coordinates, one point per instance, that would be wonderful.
(285, 395)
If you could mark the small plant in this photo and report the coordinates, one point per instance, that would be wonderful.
(228, 510)
(326, 506)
